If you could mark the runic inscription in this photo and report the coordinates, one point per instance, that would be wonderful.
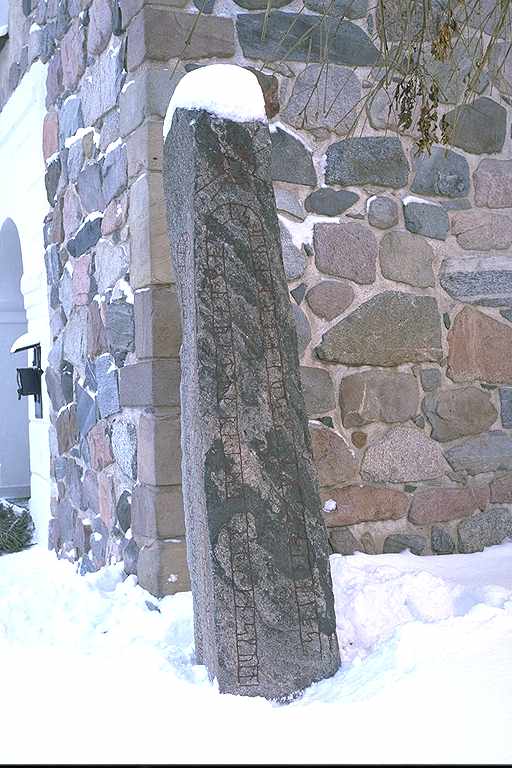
(257, 545)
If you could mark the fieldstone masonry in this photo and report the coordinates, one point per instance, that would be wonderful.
(422, 290)
(257, 543)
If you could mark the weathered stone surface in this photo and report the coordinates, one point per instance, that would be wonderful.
(89, 188)
(158, 34)
(397, 542)
(389, 329)
(378, 396)
(157, 323)
(291, 161)
(359, 439)
(162, 567)
(482, 278)
(443, 172)
(343, 541)
(462, 204)
(476, 348)
(50, 134)
(159, 449)
(330, 298)
(399, 22)
(294, 258)
(99, 447)
(501, 489)
(153, 383)
(334, 460)
(57, 384)
(318, 390)
(478, 127)
(110, 129)
(66, 292)
(406, 258)
(70, 119)
(364, 504)
(82, 280)
(455, 413)
(403, 455)
(287, 201)
(454, 74)
(96, 337)
(500, 69)
(52, 178)
(157, 512)
(487, 453)
(382, 212)
(146, 95)
(130, 556)
(114, 172)
(441, 541)
(348, 9)
(258, 5)
(101, 88)
(425, 218)
(86, 237)
(75, 160)
(67, 429)
(72, 50)
(346, 250)
(100, 26)
(269, 84)
(85, 411)
(124, 446)
(305, 39)
(430, 379)
(382, 113)
(112, 263)
(75, 337)
(298, 293)
(506, 406)
(324, 99)
(71, 212)
(120, 329)
(493, 183)
(482, 230)
(302, 328)
(115, 215)
(108, 387)
(485, 529)
(329, 202)
(437, 505)
(221, 207)
(376, 160)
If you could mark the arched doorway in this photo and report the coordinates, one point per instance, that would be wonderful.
(14, 442)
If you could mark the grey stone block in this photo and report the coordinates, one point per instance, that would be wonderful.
(376, 160)
(153, 383)
(157, 512)
(305, 41)
(485, 529)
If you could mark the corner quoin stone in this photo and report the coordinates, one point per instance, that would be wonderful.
(257, 544)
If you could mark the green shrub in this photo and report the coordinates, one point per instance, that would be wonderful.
(16, 528)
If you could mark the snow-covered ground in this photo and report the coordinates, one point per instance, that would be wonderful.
(88, 673)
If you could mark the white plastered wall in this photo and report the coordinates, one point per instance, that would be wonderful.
(23, 199)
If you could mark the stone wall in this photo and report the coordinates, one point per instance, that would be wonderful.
(402, 306)
(114, 320)
(403, 312)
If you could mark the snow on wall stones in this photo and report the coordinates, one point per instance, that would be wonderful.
(397, 269)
